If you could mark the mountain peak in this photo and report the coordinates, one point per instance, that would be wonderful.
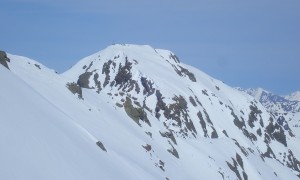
(145, 115)
(257, 93)
(295, 96)
(118, 64)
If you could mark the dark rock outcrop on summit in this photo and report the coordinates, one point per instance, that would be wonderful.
(4, 59)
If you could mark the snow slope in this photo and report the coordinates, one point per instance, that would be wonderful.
(39, 141)
(40, 138)
(155, 117)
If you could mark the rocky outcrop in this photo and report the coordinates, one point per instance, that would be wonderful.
(4, 59)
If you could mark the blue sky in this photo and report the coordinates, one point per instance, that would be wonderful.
(243, 43)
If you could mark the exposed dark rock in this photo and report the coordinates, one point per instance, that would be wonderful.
(124, 74)
(174, 152)
(135, 62)
(242, 112)
(224, 132)
(101, 145)
(203, 124)
(275, 131)
(119, 105)
(174, 57)
(135, 113)
(162, 165)
(259, 132)
(146, 107)
(237, 122)
(149, 134)
(240, 160)
(233, 168)
(251, 136)
(123, 79)
(83, 80)
(175, 110)
(253, 115)
(204, 91)
(121, 93)
(181, 71)
(243, 150)
(137, 103)
(269, 153)
(293, 163)
(75, 89)
(91, 64)
(160, 105)
(148, 86)
(190, 126)
(116, 57)
(106, 70)
(97, 82)
(169, 134)
(192, 100)
(197, 100)
(214, 134)
(222, 174)
(38, 66)
(178, 112)
(147, 147)
(4, 59)
(207, 117)
(188, 73)
(245, 175)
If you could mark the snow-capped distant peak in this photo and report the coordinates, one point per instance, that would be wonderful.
(294, 96)
(257, 93)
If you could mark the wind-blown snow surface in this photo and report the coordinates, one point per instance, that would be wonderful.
(152, 116)
(40, 141)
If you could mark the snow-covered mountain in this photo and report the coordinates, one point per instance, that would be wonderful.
(275, 103)
(135, 112)
(286, 108)
(294, 96)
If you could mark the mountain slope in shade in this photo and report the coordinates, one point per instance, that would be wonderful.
(154, 117)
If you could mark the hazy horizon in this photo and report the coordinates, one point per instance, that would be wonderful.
(246, 44)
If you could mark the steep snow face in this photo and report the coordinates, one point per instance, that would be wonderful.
(39, 141)
(154, 117)
(185, 108)
(48, 133)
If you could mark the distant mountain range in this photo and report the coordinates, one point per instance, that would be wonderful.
(287, 106)
(276, 103)
(135, 112)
